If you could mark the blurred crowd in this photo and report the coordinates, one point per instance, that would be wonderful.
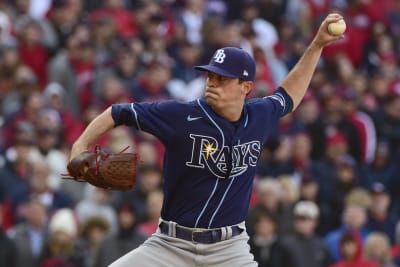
(327, 191)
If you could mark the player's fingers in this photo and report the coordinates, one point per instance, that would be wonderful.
(334, 16)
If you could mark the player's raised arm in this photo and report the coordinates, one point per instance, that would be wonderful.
(96, 128)
(298, 79)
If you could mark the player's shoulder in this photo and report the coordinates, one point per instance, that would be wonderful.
(279, 100)
(253, 102)
(170, 106)
(178, 104)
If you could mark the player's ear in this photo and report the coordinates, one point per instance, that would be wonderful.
(247, 86)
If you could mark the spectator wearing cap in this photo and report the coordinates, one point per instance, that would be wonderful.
(62, 247)
(379, 217)
(304, 248)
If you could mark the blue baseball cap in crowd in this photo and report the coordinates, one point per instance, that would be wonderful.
(231, 62)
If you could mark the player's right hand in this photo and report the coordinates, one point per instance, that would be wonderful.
(323, 37)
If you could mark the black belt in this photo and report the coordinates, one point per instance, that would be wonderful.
(203, 236)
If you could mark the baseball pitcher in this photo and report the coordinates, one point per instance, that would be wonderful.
(212, 146)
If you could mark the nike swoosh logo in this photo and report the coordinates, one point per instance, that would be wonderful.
(190, 118)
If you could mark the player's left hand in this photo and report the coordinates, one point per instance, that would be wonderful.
(323, 37)
(101, 169)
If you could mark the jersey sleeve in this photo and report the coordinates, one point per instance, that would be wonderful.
(282, 102)
(156, 118)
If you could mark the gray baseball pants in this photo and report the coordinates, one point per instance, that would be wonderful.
(161, 250)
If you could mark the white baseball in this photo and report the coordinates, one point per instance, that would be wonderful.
(337, 28)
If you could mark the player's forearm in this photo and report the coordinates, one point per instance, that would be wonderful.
(298, 79)
(96, 128)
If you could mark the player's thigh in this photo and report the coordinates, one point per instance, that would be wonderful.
(231, 253)
(157, 252)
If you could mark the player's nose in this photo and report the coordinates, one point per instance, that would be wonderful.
(211, 82)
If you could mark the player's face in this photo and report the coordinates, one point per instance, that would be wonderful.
(223, 91)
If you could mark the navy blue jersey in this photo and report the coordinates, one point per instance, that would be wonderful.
(209, 162)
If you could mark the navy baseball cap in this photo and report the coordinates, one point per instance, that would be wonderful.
(231, 62)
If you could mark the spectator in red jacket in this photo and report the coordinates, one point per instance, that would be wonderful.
(351, 250)
(32, 52)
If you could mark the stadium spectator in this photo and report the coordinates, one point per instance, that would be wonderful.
(269, 193)
(93, 230)
(379, 217)
(304, 247)
(153, 207)
(61, 247)
(126, 239)
(264, 242)
(354, 221)
(97, 202)
(38, 186)
(377, 248)
(8, 255)
(351, 249)
(29, 236)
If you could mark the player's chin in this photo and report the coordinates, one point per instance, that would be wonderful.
(211, 97)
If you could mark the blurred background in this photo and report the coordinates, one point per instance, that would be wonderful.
(327, 190)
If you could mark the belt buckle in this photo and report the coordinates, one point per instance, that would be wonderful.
(193, 234)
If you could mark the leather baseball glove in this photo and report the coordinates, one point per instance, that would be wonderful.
(105, 170)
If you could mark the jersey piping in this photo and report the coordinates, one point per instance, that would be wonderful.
(216, 184)
(220, 202)
(136, 117)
